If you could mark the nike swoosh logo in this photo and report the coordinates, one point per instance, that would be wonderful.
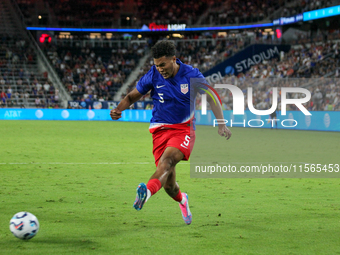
(157, 87)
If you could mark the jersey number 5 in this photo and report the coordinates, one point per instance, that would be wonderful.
(161, 97)
(185, 144)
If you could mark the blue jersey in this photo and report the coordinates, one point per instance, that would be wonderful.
(171, 96)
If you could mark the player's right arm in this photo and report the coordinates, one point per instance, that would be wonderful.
(143, 86)
(130, 98)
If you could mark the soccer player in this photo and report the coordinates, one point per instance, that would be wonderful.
(171, 123)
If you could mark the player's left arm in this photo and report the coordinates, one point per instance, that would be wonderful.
(216, 107)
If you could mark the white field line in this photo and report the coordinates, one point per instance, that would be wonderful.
(139, 163)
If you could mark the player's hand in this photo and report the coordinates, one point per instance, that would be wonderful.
(224, 131)
(115, 114)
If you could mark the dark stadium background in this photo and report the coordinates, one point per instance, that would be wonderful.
(69, 67)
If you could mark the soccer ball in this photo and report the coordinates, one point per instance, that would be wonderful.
(24, 225)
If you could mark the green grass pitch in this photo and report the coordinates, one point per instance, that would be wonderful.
(79, 179)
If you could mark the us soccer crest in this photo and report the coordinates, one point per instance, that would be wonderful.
(184, 88)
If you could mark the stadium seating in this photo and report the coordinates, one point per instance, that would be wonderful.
(310, 60)
(89, 13)
(296, 7)
(310, 63)
(21, 83)
(240, 12)
(27, 8)
(104, 13)
(175, 11)
(94, 73)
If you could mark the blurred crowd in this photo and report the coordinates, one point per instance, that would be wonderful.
(315, 67)
(87, 77)
(302, 61)
(21, 85)
(107, 13)
(296, 7)
(85, 13)
(90, 72)
(94, 73)
(98, 73)
(325, 92)
(78, 13)
(171, 12)
(238, 12)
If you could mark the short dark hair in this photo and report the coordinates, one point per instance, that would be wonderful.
(163, 48)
